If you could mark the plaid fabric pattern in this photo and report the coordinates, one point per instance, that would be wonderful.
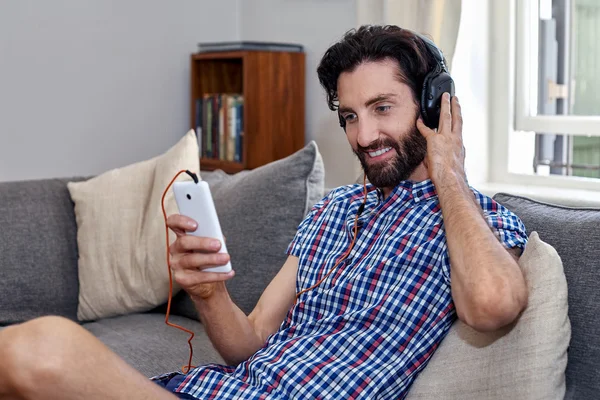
(368, 329)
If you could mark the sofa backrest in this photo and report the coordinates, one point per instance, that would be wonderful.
(575, 234)
(38, 240)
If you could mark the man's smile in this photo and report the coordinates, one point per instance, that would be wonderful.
(380, 154)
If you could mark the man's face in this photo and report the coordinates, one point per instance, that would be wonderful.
(380, 114)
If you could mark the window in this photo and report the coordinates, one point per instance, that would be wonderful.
(556, 130)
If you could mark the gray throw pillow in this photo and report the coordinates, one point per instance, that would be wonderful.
(575, 234)
(259, 211)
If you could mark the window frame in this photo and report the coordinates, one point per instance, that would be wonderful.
(510, 104)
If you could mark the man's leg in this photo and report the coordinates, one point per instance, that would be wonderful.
(54, 358)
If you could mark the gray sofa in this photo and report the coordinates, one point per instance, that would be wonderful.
(259, 212)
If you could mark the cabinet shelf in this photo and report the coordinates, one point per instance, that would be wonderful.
(272, 84)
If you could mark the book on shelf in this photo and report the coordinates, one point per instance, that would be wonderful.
(220, 126)
(249, 45)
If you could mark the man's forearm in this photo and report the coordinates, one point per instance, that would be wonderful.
(488, 287)
(228, 328)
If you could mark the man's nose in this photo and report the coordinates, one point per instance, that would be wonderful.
(367, 132)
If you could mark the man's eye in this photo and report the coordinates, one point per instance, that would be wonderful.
(383, 108)
(349, 117)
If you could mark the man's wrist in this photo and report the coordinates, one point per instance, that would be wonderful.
(451, 183)
(213, 293)
(456, 197)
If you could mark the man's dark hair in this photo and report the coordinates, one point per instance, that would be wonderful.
(376, 43)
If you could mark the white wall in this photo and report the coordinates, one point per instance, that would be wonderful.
(86, 86)
(89, 86)
(316, 24)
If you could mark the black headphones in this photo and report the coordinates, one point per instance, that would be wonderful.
(436, 82)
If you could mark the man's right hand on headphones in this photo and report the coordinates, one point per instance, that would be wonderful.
(190, 255)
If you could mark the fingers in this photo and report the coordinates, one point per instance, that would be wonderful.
(189, 278)
(445, 124)
(189, 243)
(199, 261)
(189, 267)
(424, 129)
(457, 121)
(180, 224)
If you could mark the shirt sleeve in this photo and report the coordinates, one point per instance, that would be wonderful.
(298, 243)
(506, 225)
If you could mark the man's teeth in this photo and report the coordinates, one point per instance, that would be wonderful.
(379, 152)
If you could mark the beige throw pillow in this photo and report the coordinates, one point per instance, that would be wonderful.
(121, 233)
(524, 361)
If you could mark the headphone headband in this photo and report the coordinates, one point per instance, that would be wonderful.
(435, 51)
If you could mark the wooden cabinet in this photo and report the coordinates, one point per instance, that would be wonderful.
(272, 84)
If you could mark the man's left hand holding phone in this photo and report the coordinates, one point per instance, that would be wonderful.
(199, 258)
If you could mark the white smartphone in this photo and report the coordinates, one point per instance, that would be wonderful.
(194, 200)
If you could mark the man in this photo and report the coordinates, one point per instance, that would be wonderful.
(362, 301)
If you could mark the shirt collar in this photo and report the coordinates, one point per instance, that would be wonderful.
(417, 191)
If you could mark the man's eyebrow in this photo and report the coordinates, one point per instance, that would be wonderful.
(371, 101)
(343, 110)
(378, 98)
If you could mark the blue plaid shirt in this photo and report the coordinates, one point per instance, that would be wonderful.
(368, 329)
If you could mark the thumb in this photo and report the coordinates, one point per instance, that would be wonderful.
(424, 129)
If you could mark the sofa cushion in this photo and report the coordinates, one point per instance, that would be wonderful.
(259, 211)
(38, 238)
(525, 360)
(574, 233)
(121, 234)
(152, 347)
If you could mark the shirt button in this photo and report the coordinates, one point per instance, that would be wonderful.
(419, 193)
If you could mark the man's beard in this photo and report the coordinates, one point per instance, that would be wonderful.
(410, 153)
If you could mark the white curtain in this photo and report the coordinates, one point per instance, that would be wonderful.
(437, 19)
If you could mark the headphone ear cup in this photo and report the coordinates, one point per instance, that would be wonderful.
(434, 86)
(426, 97)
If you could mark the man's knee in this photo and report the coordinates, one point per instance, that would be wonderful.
(37, 351)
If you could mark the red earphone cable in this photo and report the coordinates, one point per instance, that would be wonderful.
(347, 251)
(189, 366)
